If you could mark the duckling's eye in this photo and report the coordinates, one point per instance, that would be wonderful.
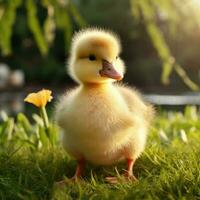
(117, 57)
(92, 57)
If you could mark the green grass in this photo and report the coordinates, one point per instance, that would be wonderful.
(31, 163)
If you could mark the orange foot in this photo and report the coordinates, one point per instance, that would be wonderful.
(115, 179)
(76, 177)
(112, 179)
(130, 177)
(127, 176)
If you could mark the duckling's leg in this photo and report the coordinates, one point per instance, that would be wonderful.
(128, 173)
(79, 172)
(79, 169)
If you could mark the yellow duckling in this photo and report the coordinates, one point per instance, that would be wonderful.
(103, 122)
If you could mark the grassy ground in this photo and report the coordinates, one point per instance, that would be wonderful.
(30, 163)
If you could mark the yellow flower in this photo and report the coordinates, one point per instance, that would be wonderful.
(40, 98)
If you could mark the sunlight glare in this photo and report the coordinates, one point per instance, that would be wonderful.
(196, 2)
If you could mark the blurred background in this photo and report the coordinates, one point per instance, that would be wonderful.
(160, 40)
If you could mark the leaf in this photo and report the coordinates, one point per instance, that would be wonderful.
(162, 49)
(49, 24)
(77, 17)
(53, 134)
(49, 30)
(7, 130)
(163, 136)
(183, 136)
(181, 72)
(43, 137)
(190, 112)
(63, 22)
(4, 115)
(2, 9)
(34, 26)
(38, 120)
(135, 9)
(23, 120)
(7, 20)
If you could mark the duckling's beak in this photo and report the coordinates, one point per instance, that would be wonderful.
(109, 71)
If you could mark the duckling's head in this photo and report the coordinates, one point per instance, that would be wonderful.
(95, 57)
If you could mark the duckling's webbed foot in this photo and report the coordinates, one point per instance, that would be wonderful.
(77, 176)
(127, 176)
(112, 179)
(130, 177)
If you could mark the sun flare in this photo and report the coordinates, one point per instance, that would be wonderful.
(196, 2)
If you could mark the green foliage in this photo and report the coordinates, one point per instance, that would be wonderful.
(168, 169)
(63, 22)
(147, 10)
(22, 132)
(58, 15)
(34, 26)
(7, 19)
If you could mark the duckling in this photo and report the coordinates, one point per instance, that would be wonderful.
(102, 122)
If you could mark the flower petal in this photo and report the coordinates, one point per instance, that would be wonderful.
(40, 98)
(33, 98)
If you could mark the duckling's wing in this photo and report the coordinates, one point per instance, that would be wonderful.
(61, 104)
(135, 103)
